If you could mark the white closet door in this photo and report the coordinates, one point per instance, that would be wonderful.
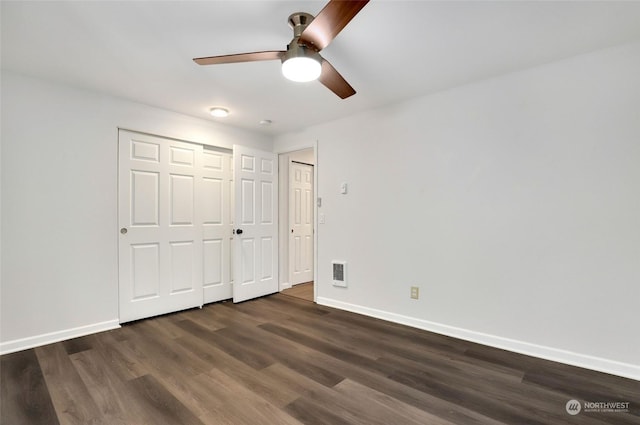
(161, 231)
(300, 222)
(255, 176)
(217, 224)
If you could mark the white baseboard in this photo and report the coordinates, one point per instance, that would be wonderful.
(599, 364)
(49, 338)
(285, 285)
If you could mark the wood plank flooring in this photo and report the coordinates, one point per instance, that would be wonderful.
(283, 360)
(302, 290)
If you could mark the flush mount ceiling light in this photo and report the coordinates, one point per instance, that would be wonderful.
(219, 112)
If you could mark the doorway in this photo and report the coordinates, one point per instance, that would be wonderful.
(297, 223)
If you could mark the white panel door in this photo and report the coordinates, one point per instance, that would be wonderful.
(160, 239)
(217, 223)
(256, 234)
(300, 222)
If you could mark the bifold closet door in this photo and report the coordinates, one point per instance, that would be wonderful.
(177, 205)
(255, 176)
(161, 225)
(217, 193)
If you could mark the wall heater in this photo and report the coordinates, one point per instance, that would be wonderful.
(339, 273)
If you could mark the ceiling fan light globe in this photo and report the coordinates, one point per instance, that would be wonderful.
(301, 69)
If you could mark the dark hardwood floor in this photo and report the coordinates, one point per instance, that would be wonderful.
(282, 360)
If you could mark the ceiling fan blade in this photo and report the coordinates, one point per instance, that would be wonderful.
(329, 22)
(241, 57)
(334, 81)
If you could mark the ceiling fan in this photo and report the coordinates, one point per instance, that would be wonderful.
(302, 61)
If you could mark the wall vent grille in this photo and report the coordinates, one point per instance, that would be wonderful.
(339, 273)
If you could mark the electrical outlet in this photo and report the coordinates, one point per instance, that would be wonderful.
(415, 292)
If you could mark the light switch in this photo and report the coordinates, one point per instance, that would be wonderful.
(343, 188)
(321, 218)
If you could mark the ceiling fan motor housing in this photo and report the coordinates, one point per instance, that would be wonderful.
(299, 21)
(295, 50)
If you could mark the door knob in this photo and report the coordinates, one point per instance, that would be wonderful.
(238, 231)
(123, 230)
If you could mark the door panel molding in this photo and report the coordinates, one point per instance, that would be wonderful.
(160, 237)
(256, 239)
(301, 222)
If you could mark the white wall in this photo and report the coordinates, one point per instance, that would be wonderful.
(59, 203)
(512, 203)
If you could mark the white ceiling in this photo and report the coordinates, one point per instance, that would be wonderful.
(392, 50)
